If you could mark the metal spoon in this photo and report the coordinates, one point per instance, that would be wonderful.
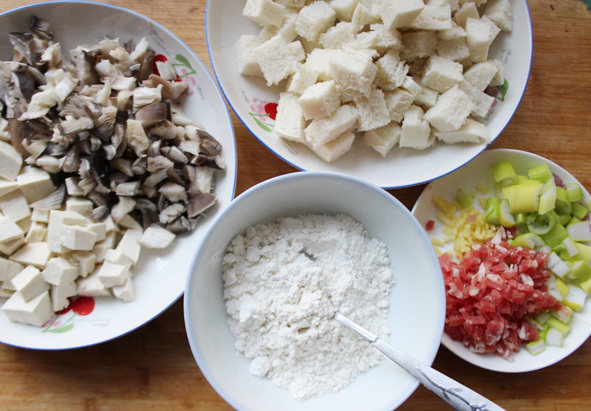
(455, 394)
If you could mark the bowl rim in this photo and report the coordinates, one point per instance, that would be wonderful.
(188, 315)
(227, 114)
(387, 187)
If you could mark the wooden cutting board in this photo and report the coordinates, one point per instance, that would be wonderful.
(152, 368)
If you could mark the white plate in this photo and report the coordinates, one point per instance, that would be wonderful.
(160, 276)
(468, 177)
(402, 167)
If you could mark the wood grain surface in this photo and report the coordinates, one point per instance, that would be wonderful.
(152, 367)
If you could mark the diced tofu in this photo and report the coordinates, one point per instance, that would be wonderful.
(80, 205)
(451, 111)
(76, 237)
(482, 102)
(29, 282)
(130, 245)
(58, 220)
(391, 71)
(129, 222)
(25, 224)
(35, 254)
(501, 13)
(101, 247)
(92, 286)
(396, 13)
(337, 36)
(60, 294)
(480, 75)
(264, 12)
(15, 206)
(117, 257)
(453, 49)
(383, 139)
(303, 78)
(40, 216)
(8, 269)
(471, 132)
(59, 271)
(336, 148)
(36, 311)
(467, 11)
(156, 237)
(112, 274)
(481, 33)
(100, 229)
(9, 230)
(247, 60)
(433, 18)
(344, 8)
(415, 132)
(398, 102)
(290, 122)
(315, 19)
(324, 130)
(9, 247)
(34, 183)
(37, 232)
(373, 112)
(442, 74)
(418, 44)
(7, 186)
(279, 59)
(10, 161)
(85, 261)
(125, 292)
(354, 73)
(320, 100)
(72, 186)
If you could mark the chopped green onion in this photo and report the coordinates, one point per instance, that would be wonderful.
(493, 210)
(504, 173)
(523, 198)
(541, 223)
(541, 173)
(579, 210)
(574, 192)
(555, 235)
(465, 199)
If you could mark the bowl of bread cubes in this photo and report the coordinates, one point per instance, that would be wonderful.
(397, 93)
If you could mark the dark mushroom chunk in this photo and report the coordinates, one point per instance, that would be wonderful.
(200, 202)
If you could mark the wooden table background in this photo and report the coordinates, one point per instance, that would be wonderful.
(152, 367)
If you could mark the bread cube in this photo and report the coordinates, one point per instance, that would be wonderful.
(454, 49)
(279, 59)
(426, 98)
(501, 12)
(411, 86)
(442, 74)
(391, 71)
(398, 102)
(373, 112)
(336, 148)
(343, 8)
(285, 30)
(362, 17)
(466, 11)
(418, 44)
(314, 19)
(481, 33)
(451, 111)
(454, 32)
(433, 18)
(289, 122)
(264, 12)
(303, 78)
(415, 131)
(385, 39)
(354, 72)
(320, 100)
(499, 78)
(480, 75)
(295, 4)
(321, 131)
(337, 36)
(247, 60)
(396, 13)
(318, 61)
(471, 132)
(383, 139)
(482, 102)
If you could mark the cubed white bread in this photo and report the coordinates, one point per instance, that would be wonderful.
(411, 86)
(35, 254)
(36, 311)
(92, 286)
(354, 72)
(264, 12)
(426, 98)
(15, 206)
(482, 101)
(59, 270)
(294, 4)
(315, 19)
(362, 17)
(385, 39)
(454, 5)
(373, 112)
(467, 11)
(478, 3)
(8, 269)
(334, 149)
(126, 291)
(320, 100)
(501, 12)
(441, 74)
(318, 61)
(9, 230)
(337, 36)
(279, 59)
(499, 78)
(324, 130)
(303, 78)
(471, 132)
(480, 75)
(453, 49)
(286, 30)
(35, 183)
(433, 17)
(10, 161)
(309, 45)
(383, 139)
(418, 44)
(480, 34)
(343, 8)
(451, 111)
(59, 295)
(290, 122)
(29, 282)
(415, 131)
(454, 32)
(400, 13)
(398, 102)
(247, 58)
(372, 5)
(391, 71)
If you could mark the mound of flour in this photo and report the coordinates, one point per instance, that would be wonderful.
(283, 283)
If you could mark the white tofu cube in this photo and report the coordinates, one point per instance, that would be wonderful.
(7, 186)
(156, 237)
(451, 111)
(29, 282)
(72, 187)
(100, 229)
(101, 247)
(112, 274)
(34, 183)
(59, 271)
(398, 102)
(336, 148)
(354, 73)
(126, 291)
(344, 8)
(35, 254)
(480, 75)
(40, 216)
(130, 246)
(433, 18)
(60, 294)
(37, 232)
(418, 44)
(279, 59)
(415, 132)
(247, 60)
(391, 71)
(303, 78)
(453, 49)
(264, 12)
(8, 269)
(321, 131)
(373, 112)
(80, 205)
(76, 237)
(9, 247)
(315, 19)
(320, 100)
(9, 230)
(57, 222)
(383, 139)
(129, 222)
(467, 11)
(471, 132)
(482, 101)
(337, 36)
(441, 74)
(290, 122)
(36, 311)
(86, 262)
(117, 257)
(481, 33)
(15, 206)
(92, 286)
(396, 13)
(501, 12)
(10, 161)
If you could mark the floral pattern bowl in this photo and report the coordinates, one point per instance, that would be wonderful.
(255, 104)
(159, 276)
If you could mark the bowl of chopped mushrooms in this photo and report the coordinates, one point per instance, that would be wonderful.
(116, 151)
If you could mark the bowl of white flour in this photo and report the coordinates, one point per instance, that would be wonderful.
(275, 267)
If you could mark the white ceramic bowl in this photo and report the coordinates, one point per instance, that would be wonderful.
(402, 167)
(468, 177)
(160, 276)
(417, 303)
